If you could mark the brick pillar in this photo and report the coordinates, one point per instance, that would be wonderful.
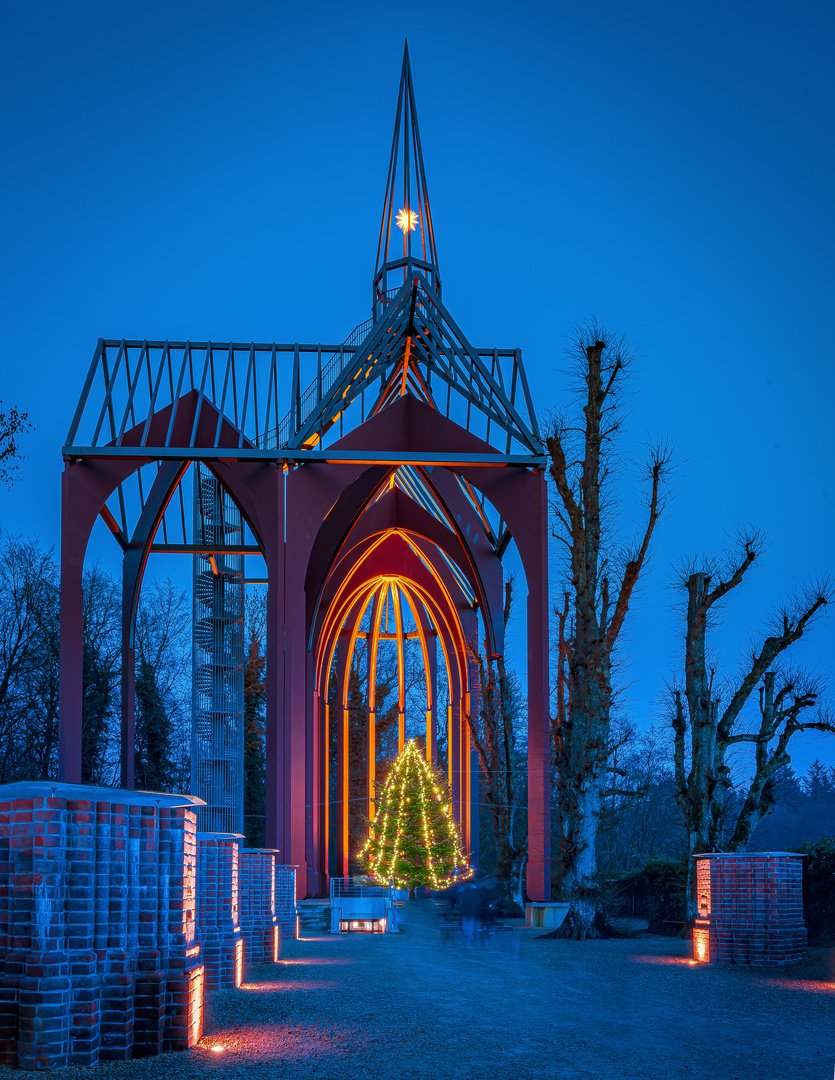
(116, 1007)
(80, 907)
(11, 963)
(40, 836)
(148, 1004)
(98, 955)
(259, 928)
(285, 900)
(44, 1028)
(85, 1008)
(750, 908)
(217, 909)
(185, 970)
(111, 929)
(146, 867)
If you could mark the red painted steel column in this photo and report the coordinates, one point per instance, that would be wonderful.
(471, 630)
(325, 714)
(472, 702)
(131, 578)
(520, 497)
(475, 809)
(71, 643)
(432, 712)
(320, 846)
(274, 808)
(372, 648)
(342, 754)
(539, 733)
(313, 782)
(454, 747)
(295, 713)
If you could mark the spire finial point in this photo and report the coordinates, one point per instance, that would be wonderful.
(407, 219)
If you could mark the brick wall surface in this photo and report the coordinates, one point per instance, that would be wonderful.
(115, 915)
(750, 908)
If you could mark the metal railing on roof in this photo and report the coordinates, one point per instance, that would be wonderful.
(360, 886)
(326, 375)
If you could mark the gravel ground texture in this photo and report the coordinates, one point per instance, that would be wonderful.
(428, 1004)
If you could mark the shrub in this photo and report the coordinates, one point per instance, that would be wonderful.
(819, 888)
(666, 890)
(655, 892)
(625, 894)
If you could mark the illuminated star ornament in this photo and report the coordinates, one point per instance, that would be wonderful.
(406, 219)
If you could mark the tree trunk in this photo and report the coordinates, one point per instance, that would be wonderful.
(580, 451)
(580, 885)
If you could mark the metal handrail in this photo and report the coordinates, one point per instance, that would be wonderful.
(360, 886)
(318, 387)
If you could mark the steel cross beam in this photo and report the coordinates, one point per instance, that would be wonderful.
(299, 456)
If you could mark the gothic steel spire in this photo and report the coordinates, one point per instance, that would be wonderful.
(407, 238)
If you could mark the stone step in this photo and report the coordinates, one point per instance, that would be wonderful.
(314, 915)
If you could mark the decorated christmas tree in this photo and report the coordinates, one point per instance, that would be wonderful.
(414, 839)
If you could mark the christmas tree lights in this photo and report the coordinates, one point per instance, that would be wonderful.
(414, 840)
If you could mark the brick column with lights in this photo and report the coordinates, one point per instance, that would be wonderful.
(259, 927)
(285, 901)
(750, 908)
(98, 959)
(218, 924)
(180, 952)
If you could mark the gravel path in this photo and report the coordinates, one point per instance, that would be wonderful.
(421, 1005)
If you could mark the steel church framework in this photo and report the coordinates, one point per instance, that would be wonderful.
(382, 479)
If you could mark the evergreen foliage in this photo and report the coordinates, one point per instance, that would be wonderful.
(414, 840)
(665, 881)
(153, 767)
(804, 810)
(255, 758)
(97, 704)
(819, 889)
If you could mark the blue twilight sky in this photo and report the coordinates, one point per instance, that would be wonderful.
(210, 170)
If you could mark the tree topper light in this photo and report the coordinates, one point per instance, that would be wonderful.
(406, 219)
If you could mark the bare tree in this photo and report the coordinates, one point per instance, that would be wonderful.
(640, 819)
(493, 733)
(163, 683)
(12, 424)
(717, 723)
(28, 658)
(602, 581)
(102, 660)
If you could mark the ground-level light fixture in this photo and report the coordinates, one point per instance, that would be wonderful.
(362, 926)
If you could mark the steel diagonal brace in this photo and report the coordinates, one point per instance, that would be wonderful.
(483, 370)
(445, 373)
(370, 347)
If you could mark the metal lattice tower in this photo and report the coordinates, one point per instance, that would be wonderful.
(217, 732)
